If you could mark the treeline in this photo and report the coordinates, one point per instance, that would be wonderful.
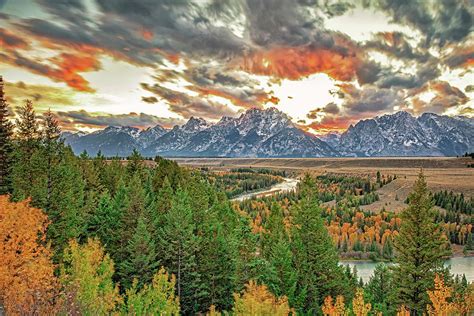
(454, 203)
(273, 172)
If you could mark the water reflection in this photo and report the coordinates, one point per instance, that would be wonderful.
(459, 265)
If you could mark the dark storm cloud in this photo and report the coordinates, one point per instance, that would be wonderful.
(141, 120)
(425, 73)
(395, 45)
(441, 22)
(371, 100)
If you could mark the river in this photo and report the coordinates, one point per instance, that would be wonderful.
(288, 184)
(459, 265)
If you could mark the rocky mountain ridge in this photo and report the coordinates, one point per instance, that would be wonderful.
(271, 133)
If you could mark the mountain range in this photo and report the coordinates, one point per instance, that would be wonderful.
(271, 133)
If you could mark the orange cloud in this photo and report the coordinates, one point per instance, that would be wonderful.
(330, 124)
(70, 65)
(297, 62)
(147, 34)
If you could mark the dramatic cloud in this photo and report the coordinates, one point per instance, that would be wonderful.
(98, 120)
(214, 58)
(9, 40)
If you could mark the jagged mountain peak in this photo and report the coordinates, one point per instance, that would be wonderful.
(271, 133)
(195, 124)
(402, 134)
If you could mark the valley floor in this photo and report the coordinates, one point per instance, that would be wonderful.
(443, 173)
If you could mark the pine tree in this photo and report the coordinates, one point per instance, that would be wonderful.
(177, 250)
(105, 223)
(28, 166)
(141, 261)
(6, 131)
(380, 289)
(27, 125)
(276, 249)
(316, 259)
(66, 202)
(420, 250)
(50, 136)
(216, 258)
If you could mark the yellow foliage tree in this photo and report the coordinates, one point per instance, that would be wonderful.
(27, 282)
(337, 309)
(359, 307)
(87, 277)
(258, 301)
(157, 299)
(439, 298)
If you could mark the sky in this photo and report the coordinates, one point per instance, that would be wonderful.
(327, 64)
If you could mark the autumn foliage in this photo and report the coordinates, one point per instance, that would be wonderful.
(27, 281)
(257, 300)
(331, 308)
(445, 302)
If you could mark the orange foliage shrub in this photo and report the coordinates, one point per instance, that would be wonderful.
(337, 309)
(27, 281)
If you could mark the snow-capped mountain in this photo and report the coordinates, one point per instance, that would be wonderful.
(401, 134)
(256, 133)
(271, 133)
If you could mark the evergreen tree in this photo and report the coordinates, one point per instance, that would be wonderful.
(51, 143)
(276, 249)
(6, 131)
(27, 126)
(105, 222)
(420, 250)
(66, 202)
(177, 250)
(316, 259)
(28, 166)
(380, 289)
(141, 262)
(216, 260)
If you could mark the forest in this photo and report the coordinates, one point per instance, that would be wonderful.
(87, 235)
